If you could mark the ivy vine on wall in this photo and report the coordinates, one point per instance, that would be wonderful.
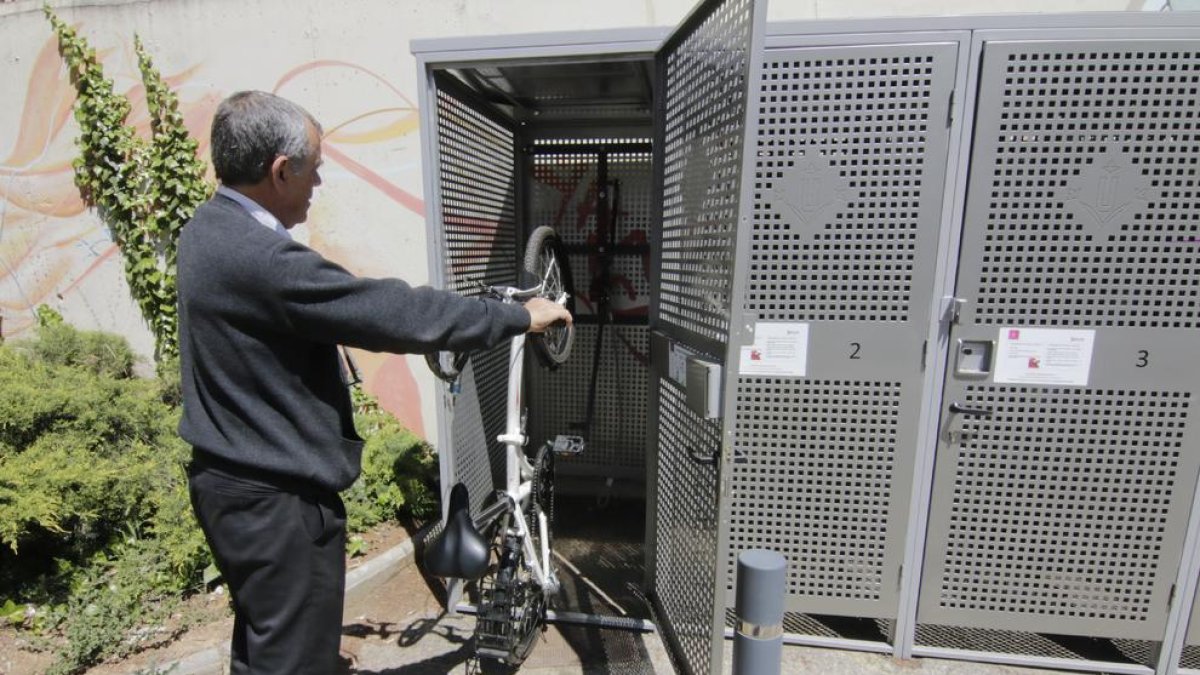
(144, 191)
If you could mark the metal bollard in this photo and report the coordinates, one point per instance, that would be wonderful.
(761, 588)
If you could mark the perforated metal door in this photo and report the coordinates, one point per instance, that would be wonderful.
(476, 185)
(706, 79)
(851, 155)
(1063, 482)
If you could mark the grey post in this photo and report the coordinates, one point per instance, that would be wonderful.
(761, 588)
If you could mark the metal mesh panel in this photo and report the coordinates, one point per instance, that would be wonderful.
(705, 101)
(630, 289)
(1190, 657)
(472, 464)
(1063, 512)
(1058, 512)
(686, 515)
(842, 147)
(564, 196)
(476, 175)
(616, 445)
(478, 419)
(1092, 175)
(815, 482)
(1144, 652)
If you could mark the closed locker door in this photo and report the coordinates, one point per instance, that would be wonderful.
(1068, 441)
(850, 178)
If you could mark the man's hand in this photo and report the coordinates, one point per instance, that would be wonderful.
(543, 313)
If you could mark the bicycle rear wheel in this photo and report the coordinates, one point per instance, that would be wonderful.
(546, 264)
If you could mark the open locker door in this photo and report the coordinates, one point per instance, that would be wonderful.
(706, 74)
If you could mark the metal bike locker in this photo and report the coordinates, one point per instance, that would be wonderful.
(898, 515)
(513, 129)
(1066, 443)
(919, 186)
(523, 130)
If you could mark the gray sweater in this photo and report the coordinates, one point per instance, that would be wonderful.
(260, 318)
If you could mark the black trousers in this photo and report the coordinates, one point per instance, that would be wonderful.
(281, 548)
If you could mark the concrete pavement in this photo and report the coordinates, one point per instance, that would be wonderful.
(395, 623)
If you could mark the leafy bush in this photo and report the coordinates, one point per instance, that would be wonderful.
(96, 532)
(98, 543)
(398, 472)
(93, 351)
(120, 603)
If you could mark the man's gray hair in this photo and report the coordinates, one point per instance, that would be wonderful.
(251, 129)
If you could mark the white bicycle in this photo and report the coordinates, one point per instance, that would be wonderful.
(507, 546)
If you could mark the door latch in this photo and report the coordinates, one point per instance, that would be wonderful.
(960, 409)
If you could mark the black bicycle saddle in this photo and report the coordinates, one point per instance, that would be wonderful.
(461, 551)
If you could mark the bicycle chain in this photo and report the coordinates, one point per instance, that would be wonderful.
(542, 487)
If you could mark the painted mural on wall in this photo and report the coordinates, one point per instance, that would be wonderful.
(52, 247)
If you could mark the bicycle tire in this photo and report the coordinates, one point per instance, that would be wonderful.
(546, 263)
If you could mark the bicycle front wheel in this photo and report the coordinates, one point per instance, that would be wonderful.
(546, 265)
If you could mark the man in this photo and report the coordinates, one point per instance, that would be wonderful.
(265, 405)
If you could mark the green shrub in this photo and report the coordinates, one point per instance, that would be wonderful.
(398, 472)
(39, 397)
(96, 526)
(93, 351)
(120, 604)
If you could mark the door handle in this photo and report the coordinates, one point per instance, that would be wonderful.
(956, 407)
(700, 457)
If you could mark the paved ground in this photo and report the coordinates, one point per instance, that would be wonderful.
(396, 624)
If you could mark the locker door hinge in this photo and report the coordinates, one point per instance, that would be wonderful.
(952, 309)
(950, 112)
(1171, 597)
(900, 577)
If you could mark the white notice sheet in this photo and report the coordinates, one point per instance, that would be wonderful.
(779, 350)
(1048, 356)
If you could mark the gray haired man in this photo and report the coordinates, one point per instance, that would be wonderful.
(265, 406)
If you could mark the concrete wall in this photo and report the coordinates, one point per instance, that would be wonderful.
(347, 61)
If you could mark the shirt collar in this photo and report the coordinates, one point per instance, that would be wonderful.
(255, 210)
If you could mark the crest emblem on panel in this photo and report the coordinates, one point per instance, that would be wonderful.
(1108, 193)
(809, 193)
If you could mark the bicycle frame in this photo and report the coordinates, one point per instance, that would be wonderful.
(519, 473)
(517, 578)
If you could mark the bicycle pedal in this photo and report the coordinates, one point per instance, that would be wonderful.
(568, 445)
(494, 654)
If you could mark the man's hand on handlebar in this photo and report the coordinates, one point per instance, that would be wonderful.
(543, 313)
